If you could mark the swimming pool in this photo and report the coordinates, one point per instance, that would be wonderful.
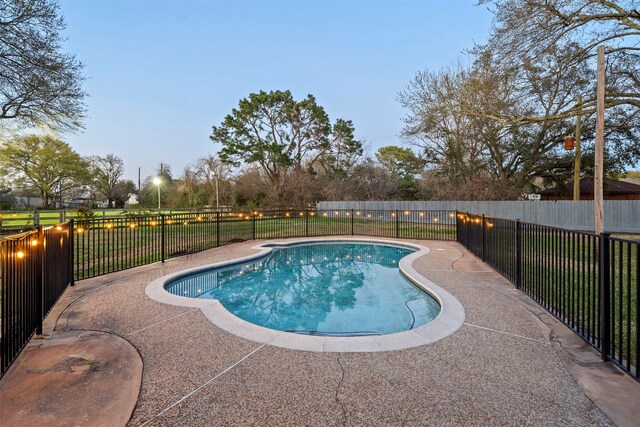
(325, 288)
(450, 318)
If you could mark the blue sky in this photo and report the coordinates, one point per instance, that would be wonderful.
(160, 74)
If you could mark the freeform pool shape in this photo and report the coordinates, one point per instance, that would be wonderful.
(449, 319)
(323, 288)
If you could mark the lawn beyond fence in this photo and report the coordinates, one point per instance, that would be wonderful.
(106, 245)
(589, 282)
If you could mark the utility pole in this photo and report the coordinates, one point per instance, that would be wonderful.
(599, 154)
(139, 186)
(576, 164)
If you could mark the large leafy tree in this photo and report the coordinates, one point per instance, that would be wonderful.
(280, 135)
(44, 164)
(404, 164)
(399, 160)
(39, 83)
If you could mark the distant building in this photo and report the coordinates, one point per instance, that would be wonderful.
(28, 202)
(613, 190)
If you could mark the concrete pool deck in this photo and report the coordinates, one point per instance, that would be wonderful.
(115, 355)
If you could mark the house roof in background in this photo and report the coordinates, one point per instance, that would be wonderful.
(611, 186)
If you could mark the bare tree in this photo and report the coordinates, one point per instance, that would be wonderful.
(525, 31)
(39, 84)
(107, 172)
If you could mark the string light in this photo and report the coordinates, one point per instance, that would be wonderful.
(19, 254)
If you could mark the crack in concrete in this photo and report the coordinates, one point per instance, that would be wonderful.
(507, 333)
(161, 322)
(192, 392)
(337, 399)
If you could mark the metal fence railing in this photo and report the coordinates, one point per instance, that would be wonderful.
(590, 282)
(106, 245)
(35, 269)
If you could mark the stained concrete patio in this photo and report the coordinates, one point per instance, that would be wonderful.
(511, 363)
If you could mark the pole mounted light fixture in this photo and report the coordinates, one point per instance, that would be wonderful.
(157, 181)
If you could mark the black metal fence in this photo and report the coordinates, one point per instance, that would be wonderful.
(589, 282)
(106, 245)
(35, 269)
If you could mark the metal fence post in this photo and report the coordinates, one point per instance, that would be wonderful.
(41, 280)
(71, 252)
(457, 226)
(397, 225)
(217, 229)
(306, 223)
(162, 253)
(352, 222)
(254, 227)
(605, 296)
(484, 238)
(466, 232)
(518, 254)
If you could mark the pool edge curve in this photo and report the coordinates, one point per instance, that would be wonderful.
(448, 321)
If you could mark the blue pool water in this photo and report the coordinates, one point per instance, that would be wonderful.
(341, 289)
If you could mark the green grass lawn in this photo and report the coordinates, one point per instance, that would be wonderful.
(110, 245)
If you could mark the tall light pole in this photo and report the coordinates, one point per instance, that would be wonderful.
(157, 181)
(212, 174)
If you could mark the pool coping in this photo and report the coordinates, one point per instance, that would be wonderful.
(450, 319)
